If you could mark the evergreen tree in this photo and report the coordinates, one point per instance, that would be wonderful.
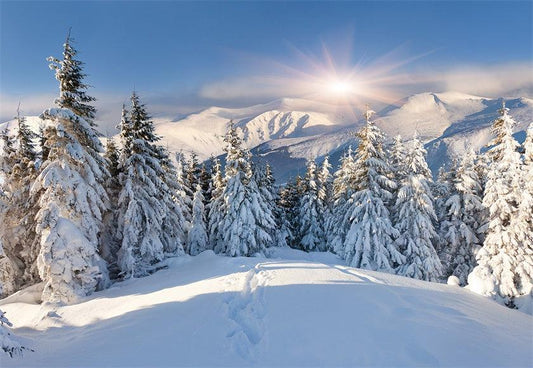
(45, 150)
(20, 215)
(442, 189)
(176, 221)
(415, 216)
(9, 345)
(505, 263)
(197, 240)
(343, 188)
(325, 183)
(526, 201)
(214, 208)
(72, 89)
(205, 181)
(461, 225)
(369, 241)
(288, 204)
(11, 269)
(111, 243)
(310, 218)
(397, 160)
(247, 223)
(282, 233)
(193, 172)
(186, 191)
(149, 220)
(70, 192)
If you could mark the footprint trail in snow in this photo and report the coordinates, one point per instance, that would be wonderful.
(247, 310)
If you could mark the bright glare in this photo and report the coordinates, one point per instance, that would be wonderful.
(340, 87)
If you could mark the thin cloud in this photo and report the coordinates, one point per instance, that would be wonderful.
(504, 80)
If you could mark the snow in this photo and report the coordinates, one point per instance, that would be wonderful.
(291, 309)
(292, 131)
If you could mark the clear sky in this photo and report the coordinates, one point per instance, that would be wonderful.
(186, 55)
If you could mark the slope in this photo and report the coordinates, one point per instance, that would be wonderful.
(292, 309)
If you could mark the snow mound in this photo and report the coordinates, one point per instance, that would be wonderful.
(292, 309)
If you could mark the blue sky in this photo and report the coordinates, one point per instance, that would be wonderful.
(186, 55)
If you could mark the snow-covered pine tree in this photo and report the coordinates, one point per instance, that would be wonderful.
(70, 190)
(282, 233)
(193, 171)
(369, 242)
(186, 191)
(247, 223)
(175, 223)
(111, 243)
(325, 183)
(442, 189)
(9, 272)
(11, 269)
(9, 345)
(205, 180)
(22, 210)
(44, 149)
(415, 217)
(461, 225)
(214, 208)
(505, 263)
(146, 200)
(343, 188)
(197, 240)
(526, 202)
(311, 222)
(397, 156)
(288, 204)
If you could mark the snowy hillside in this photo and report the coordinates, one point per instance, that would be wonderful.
(294, 309)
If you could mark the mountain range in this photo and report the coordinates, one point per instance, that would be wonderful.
(288, 132)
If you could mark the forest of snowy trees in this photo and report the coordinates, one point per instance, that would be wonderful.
(77, 217)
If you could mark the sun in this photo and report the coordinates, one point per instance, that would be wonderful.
(339, 87)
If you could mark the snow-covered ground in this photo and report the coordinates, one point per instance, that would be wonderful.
(292, 309)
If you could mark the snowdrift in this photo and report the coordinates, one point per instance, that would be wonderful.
(291, 309)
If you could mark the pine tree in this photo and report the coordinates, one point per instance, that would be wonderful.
(175, 223)
(197, 240)
(265, 180)
(288, 204)
(186, 191)
(247, 224)
(9, 345)
(214, 208)
(415, 217)
(461, 225)
(369, 241)
(204, 181)
(442, 189)
(44, 149)
(22, 207)
(150, 224)
(505, 264)
(11, 269)
(343, 188)
(72, 89)
(193, 172)
(111, 243)
(526, 201)
(310, 218)
(325, 183)
(70, 190)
